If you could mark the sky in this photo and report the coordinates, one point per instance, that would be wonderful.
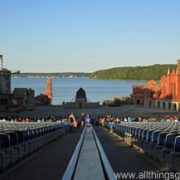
(88, 35)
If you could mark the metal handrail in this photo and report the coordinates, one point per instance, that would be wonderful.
(74, 159)
(105, 162)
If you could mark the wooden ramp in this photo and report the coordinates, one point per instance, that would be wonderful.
(89, 164)
(89, 160)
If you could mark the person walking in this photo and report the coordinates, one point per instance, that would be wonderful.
(71, 121)
(82, 120)
(88, 120)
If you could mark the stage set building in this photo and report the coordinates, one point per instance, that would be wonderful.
(166, 95)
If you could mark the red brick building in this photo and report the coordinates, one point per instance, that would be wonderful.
(164, 96)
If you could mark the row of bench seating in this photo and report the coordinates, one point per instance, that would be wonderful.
(18, 140)
(159, 140)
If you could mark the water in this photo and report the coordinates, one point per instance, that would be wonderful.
(64, 89)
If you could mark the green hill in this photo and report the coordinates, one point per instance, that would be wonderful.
(154, 72)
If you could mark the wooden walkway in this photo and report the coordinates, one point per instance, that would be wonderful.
(89, 164)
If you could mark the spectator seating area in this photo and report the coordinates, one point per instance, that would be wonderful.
(159, 140)
(18, 140)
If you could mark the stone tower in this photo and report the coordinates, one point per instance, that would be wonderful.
(49, 89)
(5, 81)
(1, 61)
(81, 95)
(5, 78)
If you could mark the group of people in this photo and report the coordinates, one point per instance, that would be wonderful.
(109, 118)
(76, 123)
(85, 119)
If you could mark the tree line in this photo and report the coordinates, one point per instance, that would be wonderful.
(154, 72)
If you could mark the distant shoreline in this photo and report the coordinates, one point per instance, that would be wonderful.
(39, 77)
(137, 73)
(53, 75)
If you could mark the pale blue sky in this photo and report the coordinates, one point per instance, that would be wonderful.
(88, 35)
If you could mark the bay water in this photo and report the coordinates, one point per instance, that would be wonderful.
(64, 89)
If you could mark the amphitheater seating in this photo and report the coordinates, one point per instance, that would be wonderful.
(176, 154)
(18, 140)
(159, 140)
(177, 144)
